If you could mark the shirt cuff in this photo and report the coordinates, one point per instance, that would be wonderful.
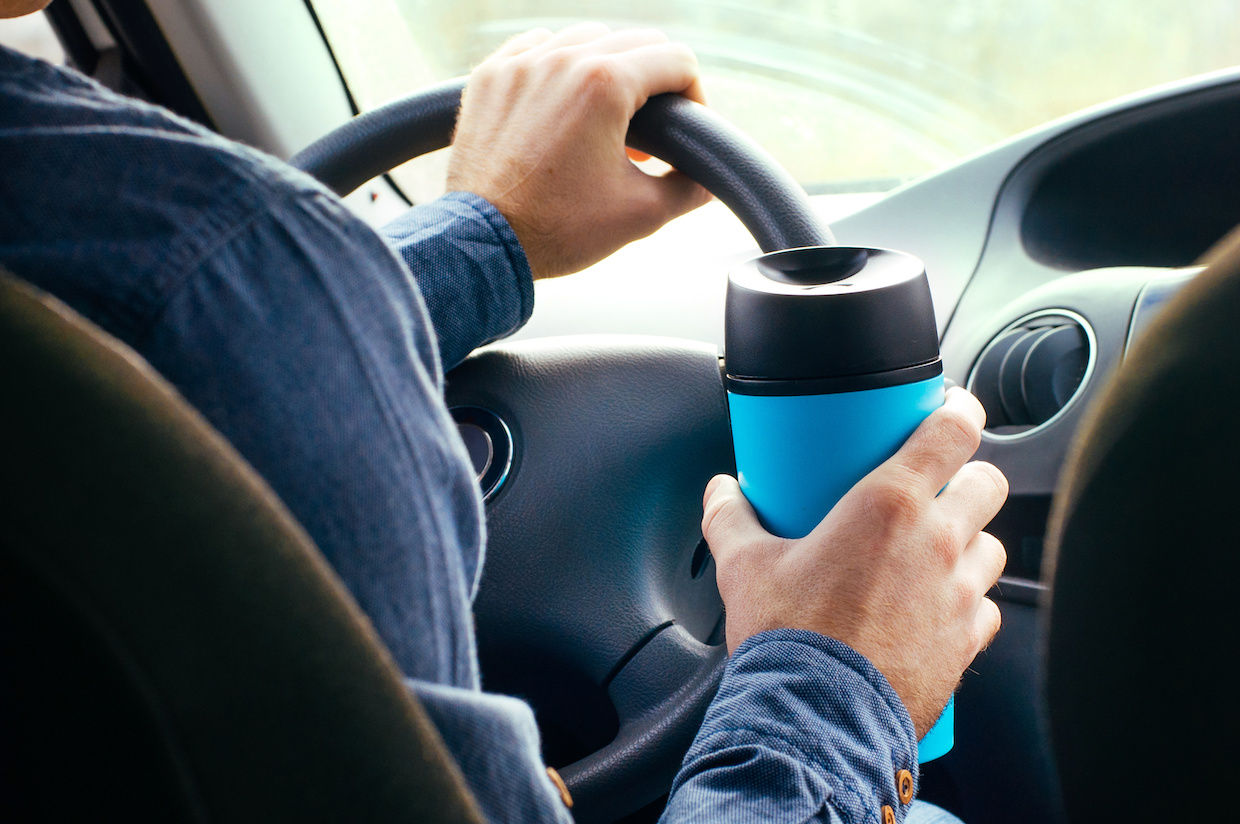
(470, 269)
(801, 721)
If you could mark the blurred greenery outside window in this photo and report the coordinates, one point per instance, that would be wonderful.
(850, 95)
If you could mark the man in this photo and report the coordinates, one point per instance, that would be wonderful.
(316, 346)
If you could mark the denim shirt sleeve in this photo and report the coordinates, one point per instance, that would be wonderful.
(803, 728)
(470, 268)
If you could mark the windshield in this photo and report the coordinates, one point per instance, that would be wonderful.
(850, 95)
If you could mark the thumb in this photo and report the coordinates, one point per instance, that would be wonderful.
(668, 195)
(729, 523)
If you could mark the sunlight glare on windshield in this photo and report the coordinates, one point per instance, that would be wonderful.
(850, 95)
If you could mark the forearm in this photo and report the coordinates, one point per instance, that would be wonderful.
(802, 729)
(470, 269)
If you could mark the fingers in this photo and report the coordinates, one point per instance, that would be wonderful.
(646, 56)
(661, 67)
(937, 450)
(613, 42)
(982, 562)
(728, 521)
(522, 42)
(980, 566)
(986, 623)
(695, 92)
(541, 135)
(972, 498)
(574, 35)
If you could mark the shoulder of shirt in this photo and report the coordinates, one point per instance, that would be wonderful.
(185, 190)
(47, 98)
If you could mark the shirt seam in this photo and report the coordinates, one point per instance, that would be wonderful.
(383, 398)
(181, 275)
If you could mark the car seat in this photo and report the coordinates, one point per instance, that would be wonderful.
(173, 646)
(1144, 561)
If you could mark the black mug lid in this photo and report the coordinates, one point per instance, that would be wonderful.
(826, 312)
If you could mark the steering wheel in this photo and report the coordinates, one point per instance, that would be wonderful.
(598, 602)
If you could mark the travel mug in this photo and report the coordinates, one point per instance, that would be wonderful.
(831, 361)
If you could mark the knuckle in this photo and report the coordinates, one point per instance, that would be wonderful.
(892, 500)
(515, 70)
(995, 476)
(964, 596)
(944, 545)
(488, 72)
(557, 61)
(998, 555)
(683, 52)
(728, 575)
(715, 518)
(991, 619)
(711, 486)
(959, 430)
(598, 78)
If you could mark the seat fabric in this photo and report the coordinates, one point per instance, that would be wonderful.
(1144, 559)
(174, 648)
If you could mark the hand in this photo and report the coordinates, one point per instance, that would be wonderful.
(541, 136)
(896, 571)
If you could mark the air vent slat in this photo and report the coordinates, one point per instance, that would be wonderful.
(1031, 370)
(1011, 374)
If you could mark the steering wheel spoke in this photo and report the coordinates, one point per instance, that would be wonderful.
(661, 695)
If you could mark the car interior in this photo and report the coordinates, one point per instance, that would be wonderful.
(175, 648)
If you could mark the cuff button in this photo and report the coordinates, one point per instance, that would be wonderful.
(904, 785)
(889, 815)
(565, 796)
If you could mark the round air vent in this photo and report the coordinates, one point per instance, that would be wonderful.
(1032, 370)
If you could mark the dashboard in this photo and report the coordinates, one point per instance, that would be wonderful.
(1100, 215)
(1086, 225)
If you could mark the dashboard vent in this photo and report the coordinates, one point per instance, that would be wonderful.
(1031, 370)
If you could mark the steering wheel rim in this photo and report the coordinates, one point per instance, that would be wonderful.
(687, 135)
(659, 675)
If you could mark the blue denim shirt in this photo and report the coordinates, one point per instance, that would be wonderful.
(317, 347)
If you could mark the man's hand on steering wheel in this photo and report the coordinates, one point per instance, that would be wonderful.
(541, 136)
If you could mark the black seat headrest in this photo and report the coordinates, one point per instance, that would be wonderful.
(174, 647)
(1144, 559)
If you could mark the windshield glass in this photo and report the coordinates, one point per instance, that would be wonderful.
(850, 95)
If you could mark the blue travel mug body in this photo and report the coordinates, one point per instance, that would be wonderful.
(831, 360)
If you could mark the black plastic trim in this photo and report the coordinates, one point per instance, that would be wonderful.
(147, 61)
(331, 53)
(846, 383)
(80, 52)
(1018, 591)
(828, 313)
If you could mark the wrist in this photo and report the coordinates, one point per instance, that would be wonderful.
(815, 712)
(776, 643)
